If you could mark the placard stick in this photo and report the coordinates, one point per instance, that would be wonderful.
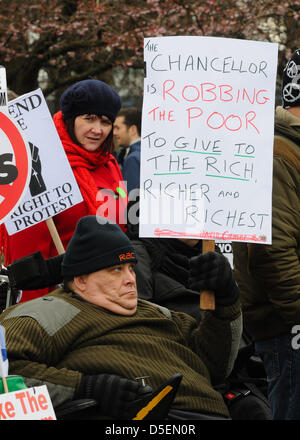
(207, 298)
(5, 387)
(55, 237)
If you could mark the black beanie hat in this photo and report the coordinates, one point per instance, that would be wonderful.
(90, 96)
(291, 82)
(97, 243)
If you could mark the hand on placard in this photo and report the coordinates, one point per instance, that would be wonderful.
(212, 271)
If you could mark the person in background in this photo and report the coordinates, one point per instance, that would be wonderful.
(103, 338)
(84, 123)
(127, 132)
(269, 275)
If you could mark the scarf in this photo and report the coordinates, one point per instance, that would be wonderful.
(82, 162)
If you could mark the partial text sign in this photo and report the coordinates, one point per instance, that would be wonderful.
(52, 187)
(27, 404)
(15, 158)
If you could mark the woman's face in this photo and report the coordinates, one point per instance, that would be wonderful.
(91, 130)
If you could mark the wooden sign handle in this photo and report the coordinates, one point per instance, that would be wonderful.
(55, 236)
(207, 298)
(5, 387)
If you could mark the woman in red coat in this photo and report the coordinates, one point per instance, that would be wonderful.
(84, 123)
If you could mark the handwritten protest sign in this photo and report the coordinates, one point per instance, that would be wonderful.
(27, 404)
(52, 187)
(207, 138)
(15, 158)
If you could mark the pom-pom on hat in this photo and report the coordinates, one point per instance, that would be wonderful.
(97, 243)
(90, 96)
(291, 82)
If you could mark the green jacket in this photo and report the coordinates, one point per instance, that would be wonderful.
(52, 340)
(269, 275)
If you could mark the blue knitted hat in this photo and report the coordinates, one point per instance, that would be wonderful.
(90, 96)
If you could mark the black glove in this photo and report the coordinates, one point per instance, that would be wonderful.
(34, 272)
(117, 397)
(212, 271)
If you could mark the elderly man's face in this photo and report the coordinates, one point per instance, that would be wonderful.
(113, 288)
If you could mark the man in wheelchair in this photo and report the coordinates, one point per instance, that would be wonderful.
(94, 338)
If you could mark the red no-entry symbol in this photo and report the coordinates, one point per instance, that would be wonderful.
(15, 171)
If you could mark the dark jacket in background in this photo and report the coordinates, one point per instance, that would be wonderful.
(269, 275)
(131, 167)
(162, 273)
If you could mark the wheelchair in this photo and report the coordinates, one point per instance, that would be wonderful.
(244, 391)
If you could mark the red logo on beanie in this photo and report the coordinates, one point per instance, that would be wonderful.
(127, 256)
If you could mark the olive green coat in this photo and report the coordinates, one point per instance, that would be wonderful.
(55, 339)
(269, 275)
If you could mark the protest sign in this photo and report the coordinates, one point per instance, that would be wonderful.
(27, 404)
(3, 89)
(225, 248)
(52, 187)
(15, 158)
(207, 138)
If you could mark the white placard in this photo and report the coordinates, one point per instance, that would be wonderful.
(52, 188)
(27, 404)
(3, 90)
(207, 138)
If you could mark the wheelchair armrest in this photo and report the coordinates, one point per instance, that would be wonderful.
(72, 406)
